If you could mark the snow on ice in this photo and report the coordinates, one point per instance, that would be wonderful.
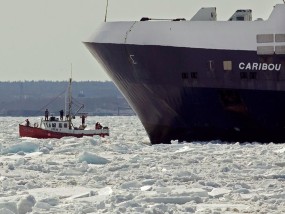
(122, 173)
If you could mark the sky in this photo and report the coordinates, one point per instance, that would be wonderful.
(40, 39)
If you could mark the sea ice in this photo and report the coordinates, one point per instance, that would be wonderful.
(218, 192)
(25, 204)
(11, 206)
(120, 174)
(26, 146)
(92, 158)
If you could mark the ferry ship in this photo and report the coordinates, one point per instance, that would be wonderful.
(200, 79)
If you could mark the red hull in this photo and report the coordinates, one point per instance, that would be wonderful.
(34, 132)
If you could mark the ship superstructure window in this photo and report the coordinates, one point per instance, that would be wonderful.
(252, 75)
(60, 125)
(280, 50)
(243, 75)
(228, 65)
(280, 38)
(240, 18)
(65, 125)
(184, 76)
(265, 50)
(194, 75)
(265, 38)
(53, 125)
(49, 125)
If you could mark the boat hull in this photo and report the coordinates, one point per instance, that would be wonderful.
(178, 95)
(35, 132)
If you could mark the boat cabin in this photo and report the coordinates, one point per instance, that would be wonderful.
(55, 124)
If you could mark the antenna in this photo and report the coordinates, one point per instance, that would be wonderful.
(107, 10)
(70, 71)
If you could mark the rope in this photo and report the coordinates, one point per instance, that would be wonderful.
(45, 106)
(76, 102)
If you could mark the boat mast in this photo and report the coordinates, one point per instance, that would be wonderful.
(69, 100)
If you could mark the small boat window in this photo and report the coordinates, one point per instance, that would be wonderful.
(60, 125)
(65, 125)
(49, 125)
(53, 125)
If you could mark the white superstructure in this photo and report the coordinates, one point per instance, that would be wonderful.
(225, 35)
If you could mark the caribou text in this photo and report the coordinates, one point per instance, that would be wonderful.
(259, 66)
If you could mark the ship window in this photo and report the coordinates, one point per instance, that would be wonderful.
(60, 125)
(49, 125)
(265, 38)
(184, 75)
(194, 75)
(228, 65)
(65, 125)
(280, 38)
(280, 49)
(53, 125)
(240, 18)
(252, 75)
(243, 75)
(265, 50)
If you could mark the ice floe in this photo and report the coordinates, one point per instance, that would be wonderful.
(124, 174)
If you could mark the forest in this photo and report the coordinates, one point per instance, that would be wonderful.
(31, 98)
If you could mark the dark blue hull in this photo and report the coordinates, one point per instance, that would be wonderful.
(187, 94)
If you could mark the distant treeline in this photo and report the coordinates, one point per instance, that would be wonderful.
(51, 89)
(21, 98)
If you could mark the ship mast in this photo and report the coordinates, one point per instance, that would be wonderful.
(106, 11)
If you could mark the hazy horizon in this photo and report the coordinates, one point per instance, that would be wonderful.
(40, 39)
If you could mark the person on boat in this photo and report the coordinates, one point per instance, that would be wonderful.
(61, 114)
(27, 122)
(98, 126)
(83, 119)
(46, 114)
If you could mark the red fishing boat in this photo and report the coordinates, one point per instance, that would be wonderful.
(54, 127)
